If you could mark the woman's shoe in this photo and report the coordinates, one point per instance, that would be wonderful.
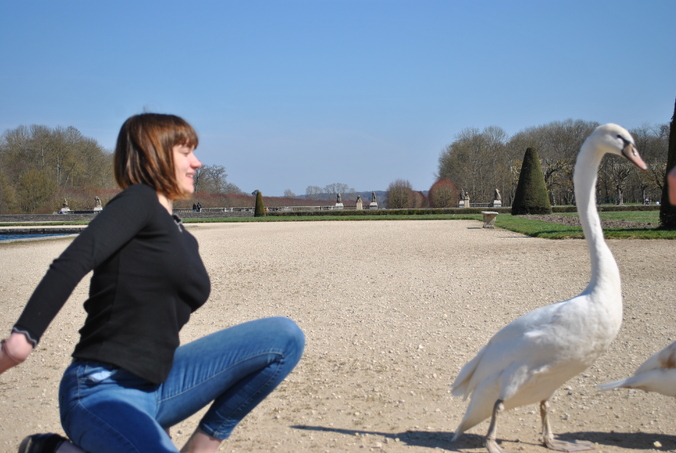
(41, 443)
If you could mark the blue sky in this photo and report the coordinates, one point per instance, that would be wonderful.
(287, 94)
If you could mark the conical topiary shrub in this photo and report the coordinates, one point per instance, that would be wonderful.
(259, 211)
(531, 195)
(667, 211)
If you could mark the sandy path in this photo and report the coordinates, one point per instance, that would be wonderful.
(391, 311)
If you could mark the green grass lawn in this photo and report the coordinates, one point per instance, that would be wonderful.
(548, 230)
(633, 216)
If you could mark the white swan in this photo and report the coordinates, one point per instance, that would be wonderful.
(528, 359)
(657, 374)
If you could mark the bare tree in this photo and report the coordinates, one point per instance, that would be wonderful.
(399, 194)
(336, 188)
(330, 191)
(477, 161)
(39, 164)
(34, 189)
(557, 143)
(213, 179)
(615, 173)
(313, 192)
(8, 197)
(480, 161)
(443, 194)
(653, 144)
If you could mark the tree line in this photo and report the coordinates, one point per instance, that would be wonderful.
(480, 161)
(41, 168)
(328, 192)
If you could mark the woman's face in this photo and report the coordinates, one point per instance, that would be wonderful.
(185, 164)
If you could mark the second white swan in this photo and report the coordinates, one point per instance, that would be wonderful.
(657, 374)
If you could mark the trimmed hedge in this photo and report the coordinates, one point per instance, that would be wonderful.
(375, 212)
(259, 210)
(450, 211)
(531, 195)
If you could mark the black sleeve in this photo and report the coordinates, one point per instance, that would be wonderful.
(123, 217)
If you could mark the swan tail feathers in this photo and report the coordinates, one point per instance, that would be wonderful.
(613, 385)
(471, 419)
(480, 406)
(459, 431)
(661, 381)
(461, 385)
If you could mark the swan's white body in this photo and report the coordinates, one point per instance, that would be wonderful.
(528, 359)
(657, 374)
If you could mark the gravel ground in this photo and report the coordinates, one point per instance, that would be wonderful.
(391, 310)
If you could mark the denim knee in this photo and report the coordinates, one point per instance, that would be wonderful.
(295, 338)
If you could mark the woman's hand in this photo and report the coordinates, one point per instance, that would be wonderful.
(672, 186)
(14, 350)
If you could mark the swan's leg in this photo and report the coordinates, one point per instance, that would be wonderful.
(548, 435)
(491, 443)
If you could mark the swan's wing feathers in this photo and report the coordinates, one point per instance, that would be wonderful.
(518, 341)
(530, 324)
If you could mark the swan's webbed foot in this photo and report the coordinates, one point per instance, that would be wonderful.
(491, 442)
(493, 447)
(559, 445)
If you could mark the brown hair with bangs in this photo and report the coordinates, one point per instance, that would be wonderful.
(145, 152)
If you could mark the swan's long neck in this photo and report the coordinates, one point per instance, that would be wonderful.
(605, 274)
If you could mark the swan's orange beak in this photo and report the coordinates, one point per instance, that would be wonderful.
(631, 153)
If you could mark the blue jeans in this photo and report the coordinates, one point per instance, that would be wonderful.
(107, 409)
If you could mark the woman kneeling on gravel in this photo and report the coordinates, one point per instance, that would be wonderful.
(129, 381)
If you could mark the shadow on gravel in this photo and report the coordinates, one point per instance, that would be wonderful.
(428, 439)
(442, 439)
(636, 441)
